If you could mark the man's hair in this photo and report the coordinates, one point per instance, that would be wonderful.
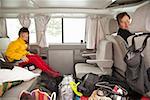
(120, 16)
(23, 29)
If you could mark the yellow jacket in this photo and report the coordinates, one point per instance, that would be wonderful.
(16, 50)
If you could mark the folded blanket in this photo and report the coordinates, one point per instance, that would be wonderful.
(17, 73)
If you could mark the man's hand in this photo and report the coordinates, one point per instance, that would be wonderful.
(24, 59)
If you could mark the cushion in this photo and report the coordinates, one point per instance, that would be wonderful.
(82, 68)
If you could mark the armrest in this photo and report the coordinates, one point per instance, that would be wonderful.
(92, 61)
(88, 54)
(101, 63)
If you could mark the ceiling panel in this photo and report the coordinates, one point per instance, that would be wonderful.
(74, 3)
(12, 8)
(56, 3)
(87, 4)
(16, 3)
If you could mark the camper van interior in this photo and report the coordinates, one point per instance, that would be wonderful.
(79, 39)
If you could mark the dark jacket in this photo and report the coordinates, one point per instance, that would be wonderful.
(124, 34)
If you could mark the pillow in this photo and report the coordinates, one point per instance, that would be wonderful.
(7, 85)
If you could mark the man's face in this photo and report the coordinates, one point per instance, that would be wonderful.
(124, 22)
(24, 36)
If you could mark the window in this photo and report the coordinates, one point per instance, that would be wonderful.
(32, 35)
(72, 31)
(54, 31)
(59, 30)
(13, 27)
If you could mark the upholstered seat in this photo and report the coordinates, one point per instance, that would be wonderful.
(139, 24)
(101, 65)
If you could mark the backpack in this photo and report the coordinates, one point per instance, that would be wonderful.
(49, 82)
(87, 84)
(136, 72)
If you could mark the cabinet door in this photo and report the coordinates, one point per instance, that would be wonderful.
(61, 60)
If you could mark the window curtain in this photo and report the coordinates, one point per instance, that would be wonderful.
(94, 31)
(91, 27)
(3, 30)
(24, 20)
(41, 24)
(105, 21)
(100, 30)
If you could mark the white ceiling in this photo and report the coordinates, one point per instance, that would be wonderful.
(88, 4)
(98, 4)
(12, 8)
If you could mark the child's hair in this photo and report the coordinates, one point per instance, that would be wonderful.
(23, 29)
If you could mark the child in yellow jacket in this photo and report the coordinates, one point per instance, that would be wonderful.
(17, 50)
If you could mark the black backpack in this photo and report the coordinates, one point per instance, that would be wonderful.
(87, 84)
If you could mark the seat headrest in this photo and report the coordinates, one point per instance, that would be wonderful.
(4, 43)
(113, 26)
(141, 19)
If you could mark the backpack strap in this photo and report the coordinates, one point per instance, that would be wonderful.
(138, 36)
(144, 43)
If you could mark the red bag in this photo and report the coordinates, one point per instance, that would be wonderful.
(145, 98)
(84, 98)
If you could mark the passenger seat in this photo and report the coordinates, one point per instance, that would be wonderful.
(119, 50)
(139, 24)
(101, 65)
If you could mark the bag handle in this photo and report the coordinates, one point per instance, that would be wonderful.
(138, 36)
(105, 85)
(108, 87)
(144, 42)
(53, 96)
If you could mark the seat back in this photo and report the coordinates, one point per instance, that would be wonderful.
(141, 23)
(119, 48)
(104, 52)
(119, 51)
(4, 42)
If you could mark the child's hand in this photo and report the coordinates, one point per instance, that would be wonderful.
(24, 59)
